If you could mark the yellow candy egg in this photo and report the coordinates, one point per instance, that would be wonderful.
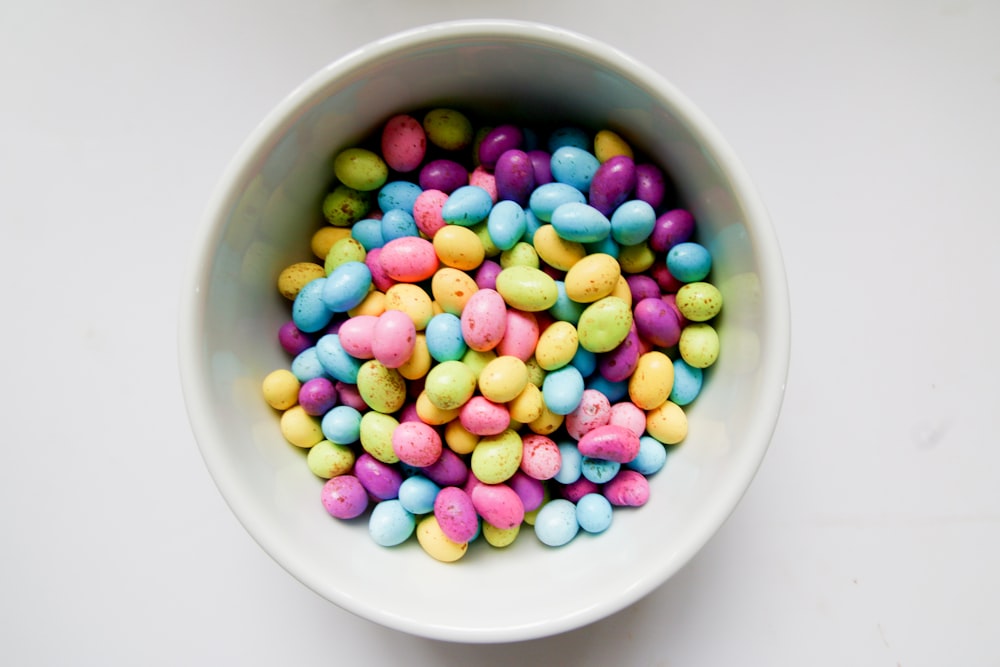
(527, 288)
(555, 250)
(412, 300)
(636, 258)
(527, 406)
(500, 537)
(324, 238)
(281, 389)
(651, 381)
(592, 278)
(667, 423)
(547, 423)
(608, 144)
(437, 545)
(458, 439)
(502, 379)
(382, 388)
(294, 277)
(556, 346)
(536, 374)
(373, 304)
(300, 428)
(432, 414)
(476, 360)
(419, 362)
(522, 254)
(459, 247)
(452, 289)
(699, 345)
(497, 457)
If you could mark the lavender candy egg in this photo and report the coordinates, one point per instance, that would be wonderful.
(456, 514)
(531, 491)
(515, 177)
(650, 184)
(618, 364)
(498, 141)
(444, 175)
(344, 497)
(612, 184)
(486, 274)
(656, 322)
(379, 479)
(673, 227)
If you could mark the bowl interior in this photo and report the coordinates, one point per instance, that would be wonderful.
(261, 219)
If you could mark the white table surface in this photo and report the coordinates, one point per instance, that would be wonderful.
(871, 535)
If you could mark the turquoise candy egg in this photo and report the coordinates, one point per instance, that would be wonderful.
(615, 391)
(368, 233)
(417, 494)
(568, 136)
(531, 225)
(570, 468)
(574, 166)
(632, 222)
(341, 425)
(397, 224)
(606, 246)
(338, 363)
(687, 382)
(585, 361)
(562, 390)
(599, 471)
(467, 206)
(565, 308)
(309, 312)
(580, 222)
(347, 286)
(390, 523)
(594, 513)
(306, 365)
(506, 224)
(651, 457)
(443, 335)
(550, 196)
(555, 523)
(689, 262)
(398, 195)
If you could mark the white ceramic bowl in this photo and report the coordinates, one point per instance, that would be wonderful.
(260, 219)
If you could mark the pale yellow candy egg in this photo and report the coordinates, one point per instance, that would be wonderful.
(293, 277)
(699, 345)
(527, 406)
(651, 381)
(667, 423)
(500, 537)
(281, 389)
(300, 428)
(327, 459)
(452, 289)
(556, 346)
(502, 379)
(592, 278)
(412, 300)
(437, 545)
(555, 250)
(459, 247)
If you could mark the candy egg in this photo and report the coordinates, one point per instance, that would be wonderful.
(498, 141)
(300, 428)
(337, 363)
(403, 142)
(448, 129)
(555, 523)
(699, 345)
(594, 410)
(667, 423)
(527, 406)
(526, 288)
(390, 523)
(436, 544)
(619, 364)
(610, 442)
(346, 286)
(687, 382)
(656, 322)
(467, 206)
(443, 175)
(594, 513)
(520, 336)
(484, 320)
(608, 144)
(401, 195)
(483, 417)
(612, 184)
(515, 178)
(444, 337)
(376, 431)
(497, 456)
(412, 300)
(327, 459)
(499, 505)
(360, 169)
(540, 456)
(502, 379)
(573, 166)
(345, 206)
(394, 338)
(563, 390)
(382, 388)
(409, 259)
(452, 289)
(629, 488)
(381, 480)
(580, 223)
(416, 443)
(650, 184)
(342, 425)
(556, 345)
(672, 227)
(699, 301)
(556, 251)
(450, 384)
(689, 262)
(281, 389)
(417, 494)
(344, 497)
(294, 277)
(632, 222)
(309, 311)
(592, 278)
(455, 514)
(604, 324)
(458, 247)
(652, 381)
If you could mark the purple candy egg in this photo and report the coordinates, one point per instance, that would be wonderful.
(618, 364)
(496, 142)
(515, 176)
(293, 340)
(656, 322)
(379, 479)
(531, 491)
(444, 175)
(344, 497)
(673, 227)
(455, 514)
(612, 184)
(542, 163)
(642, 287)
(650, 184)
(486, 274)
(317, 396)
(448, 470)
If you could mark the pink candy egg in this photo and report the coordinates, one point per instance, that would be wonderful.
(409, 259)
(380, 278)
(611, 443)
(498, 505)
(484, 320)
(594, 410)
(521, 335)
(404, 143)
(578, 489)
(427, 211)
(540, 456)
(629, 488)
(344, 497)
(456, 514)
(486, 180)
(481, 416)
(630, 416)
(356, 336)
(416, 443)
(394, 338)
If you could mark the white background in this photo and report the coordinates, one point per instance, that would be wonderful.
(871, 535)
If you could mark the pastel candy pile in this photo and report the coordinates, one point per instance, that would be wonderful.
(502, 329)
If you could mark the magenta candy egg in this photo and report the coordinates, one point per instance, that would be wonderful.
(293, 340)
(449, 470)
(356, 336)
(416, 443)
(404, 143)
(520, 336)
(379, 479)
(408, 413)
(380, 278)
(541, 161)
(650, 184)
(486, 274)
(348, 394)
(498, 505)
(515, 176)
(394, 338)
(594, 410)
(481, 416)
(578, 489)
(611, 443)
(540, 456)
(656, 322)
(409, 259)
(498, 141)
(317, 396)
(672, 227)
(427, 211)
(629, 488)
(531, 491)
(612, 184)
(642, 287)
(456, 514)
(618, 364)
(484, 320)
(344, 497)
(630, 416)
(444, 175)
(661, 274)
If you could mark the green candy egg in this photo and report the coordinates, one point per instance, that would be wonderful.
(376, 436)
(699, 345)
(699, 302)
(497, 457)
(345, 250)
(345, 206)
(360, 169)
(604, 324)
(527, 288)
(382, 388)
(450, 384)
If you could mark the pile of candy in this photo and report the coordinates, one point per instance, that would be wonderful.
(502, 331)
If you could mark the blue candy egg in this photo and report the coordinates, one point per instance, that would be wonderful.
(585, 361)
(347, 286)
(306, 365)
(565, 309)
(580, 222)
(562, 390)
(417, 494)
(531, 225)
(689, 262)
(569, 136)
(572, 462)
(506, 224)
(594, 513)
(338, 364)
(467, 206)
(398, 195)
(368, 233)
(390, 523)
(687, 382)
(633, 222)
(341, 425)
(545, 199)
(443, 335)
(309, 312)
(556, 523)
(606, 246)
(599, 471)
(397, 224)
(651, 457)
(574, 166)
(615, 391)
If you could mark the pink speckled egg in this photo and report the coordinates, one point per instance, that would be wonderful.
(630, 416)
(409, 259)
(416, 443)
(427, 211)
(520, 336)
(629, 488)
(594, 410)
(356, 336)
(404, 143)
(456, 514)
(481, 416)
(394, 338)
(498, 505)
(540, 456)
(484, 320)
(611, 443)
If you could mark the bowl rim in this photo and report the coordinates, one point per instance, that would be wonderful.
(193, 305)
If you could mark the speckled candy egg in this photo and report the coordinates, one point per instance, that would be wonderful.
(394, 338)
(604, 324)
(593, 277)
(344, 497)
(699, 301)
(403, 143)
(527, 288)
(416, 444)
(382, 388)
(456, 515)
(484, 320)
(498, 504)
